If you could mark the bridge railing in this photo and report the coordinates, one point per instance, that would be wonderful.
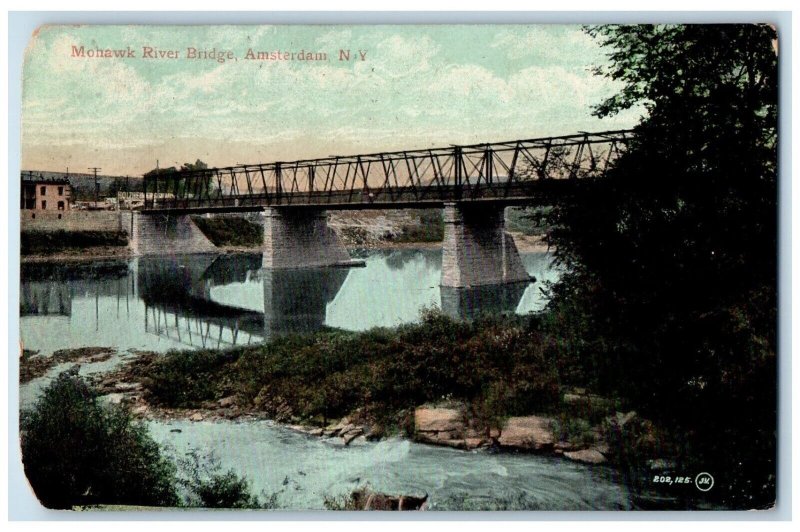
(477, 171)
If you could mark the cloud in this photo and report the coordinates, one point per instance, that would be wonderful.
(418, 87)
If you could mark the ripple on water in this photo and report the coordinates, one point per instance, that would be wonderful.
(303, 470)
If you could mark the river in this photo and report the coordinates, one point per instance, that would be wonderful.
(196, 301)
(219, 301)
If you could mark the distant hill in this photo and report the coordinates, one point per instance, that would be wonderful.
(83, 184)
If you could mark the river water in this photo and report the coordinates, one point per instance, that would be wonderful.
(221, 301)
(302, 470)
(196, 301)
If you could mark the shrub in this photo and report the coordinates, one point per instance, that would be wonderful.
(207, 486)
(78, 451)
(230, 231)
(50, 242)
(429, 229)
(494, 363)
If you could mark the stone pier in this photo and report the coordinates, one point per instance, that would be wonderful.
(301, 238)
(166, 234)
(476, 250)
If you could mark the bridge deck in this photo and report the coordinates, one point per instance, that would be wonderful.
(510, 172)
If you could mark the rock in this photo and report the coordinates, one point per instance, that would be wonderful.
(661, 464)
(127, 386)
(197, 416)
(427, 437)
(365, 499)
(473, 433)
(572, 398)
(438, 419)
(115, 398)
(342, 426)
(227, 401)
(358, 440)
(602, 447)
(531, 433)
(454, 443)
(375, 433)
(565, 446)
(352, 434)
(586, 456)
(315, 432)
(473, 443)
(440, 426)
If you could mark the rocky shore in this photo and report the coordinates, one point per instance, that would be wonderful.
(443, 425)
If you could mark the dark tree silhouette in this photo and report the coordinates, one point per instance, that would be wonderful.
(672, 258)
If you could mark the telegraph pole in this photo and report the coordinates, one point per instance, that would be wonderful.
(95, 184)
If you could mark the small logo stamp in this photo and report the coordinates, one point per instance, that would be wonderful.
(704, 481)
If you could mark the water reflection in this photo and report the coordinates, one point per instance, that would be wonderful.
(468, 303)
(297, 300)
(206, 301)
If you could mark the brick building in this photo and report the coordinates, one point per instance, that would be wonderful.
(45, 192)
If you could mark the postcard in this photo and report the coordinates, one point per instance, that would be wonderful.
(400, 267)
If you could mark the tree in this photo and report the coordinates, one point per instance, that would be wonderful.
(78, 451)
(672, 258)
(189, 181)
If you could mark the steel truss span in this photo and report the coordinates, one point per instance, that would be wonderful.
(509, 172)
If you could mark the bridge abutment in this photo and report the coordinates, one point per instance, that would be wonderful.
(476, 250)
(166, 234)
(301, 238)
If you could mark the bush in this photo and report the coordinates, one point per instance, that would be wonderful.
(494, 363)
(51, 242)
(208, 487)
(186, 378)
(78, 451)
(230, 231)
(429, 229)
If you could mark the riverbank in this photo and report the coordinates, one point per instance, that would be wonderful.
(524, 243)
(386, 229)
(447, 424)
(490, 390)
(575, 427)
(88, 254)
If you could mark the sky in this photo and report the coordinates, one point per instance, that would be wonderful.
(417, 87)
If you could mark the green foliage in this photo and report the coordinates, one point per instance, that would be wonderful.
(347, 503)
(429, 229)
(497, 503)
(530, 221)
(186, 378)
(669, 298)
(575, 430)
(77, 451)
(207, 486)
(190, 180)
(494, 362)
(230, 231)
(41, 242)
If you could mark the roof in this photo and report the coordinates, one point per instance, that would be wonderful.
(45, 177)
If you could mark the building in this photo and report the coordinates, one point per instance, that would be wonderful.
(43, 192)
(135, 200)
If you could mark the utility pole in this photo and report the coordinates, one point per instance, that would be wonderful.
(95, 184)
